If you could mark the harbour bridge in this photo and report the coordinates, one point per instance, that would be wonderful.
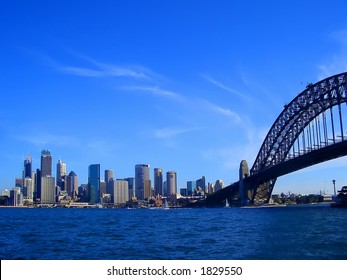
(311, 129)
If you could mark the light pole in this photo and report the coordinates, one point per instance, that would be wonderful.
(334, 181)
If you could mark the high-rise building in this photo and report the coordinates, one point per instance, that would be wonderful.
(46, 163)
(120, 191)
(171, 181)
(94, 183)
(191, 185)
(109, 174)
(141, 175)
(28, 167)
(158, 182)
(29, 189)
(72, 184)
(48, 193)
(218, 185)
(61, 174)
(131, 186)
(201, 184)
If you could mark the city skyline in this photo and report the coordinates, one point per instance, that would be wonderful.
(192, 87)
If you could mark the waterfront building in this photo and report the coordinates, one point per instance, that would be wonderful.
(103, 188)
(109, 174)
(191, 186)
(171, 181)
(158, 182)
(120, 191)
(61, 174)
(27, 173)
(218, 185)
(16, 197)
(131, 186)
(142, 174)
(201, 185)
(48, 192)
(46, 163)
(94, 183)
(147, 189)
(72, 184)
(28, 189)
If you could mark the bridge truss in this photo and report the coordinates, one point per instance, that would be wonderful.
(311, 129)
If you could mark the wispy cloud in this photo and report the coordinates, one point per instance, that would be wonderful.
(169, 132)
(104, 70)
(224, 87)
(154, 90)
(223, 111)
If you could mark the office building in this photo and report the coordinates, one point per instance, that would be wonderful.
(27, 173)
(28, 189)
(201, 185)
(61, 174)
(46, 163)
(218, 185)
(48, 192)
(191, 186)
(94, 183)
(171, 182)
(71, 184)
(109, 174)
(142, 174)
(120, 191)
(158, 182)
(131, 186)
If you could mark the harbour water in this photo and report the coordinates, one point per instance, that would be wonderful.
(288, 233)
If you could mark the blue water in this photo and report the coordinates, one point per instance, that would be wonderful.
(227, 233)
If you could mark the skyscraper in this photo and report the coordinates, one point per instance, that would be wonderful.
(141, 175)
(120, 191)
(46, 163)
(109, 174)
(48, 189)
(131, 186)
(171, 181)
(27, 167)
(94, 183)
(72, 184)
(61, 174)
(158, 181)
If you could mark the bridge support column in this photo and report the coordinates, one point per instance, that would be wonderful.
(244, 194)
(262, 192)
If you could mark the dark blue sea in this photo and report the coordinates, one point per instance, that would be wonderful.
(288, 233)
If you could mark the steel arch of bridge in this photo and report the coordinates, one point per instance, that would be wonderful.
(297, 116)
(308, 131)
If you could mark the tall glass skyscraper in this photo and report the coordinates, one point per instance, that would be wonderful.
(94, 183)
(61, 173)
(46, 163)
(141, 176)
(28, 167)
(158, 181)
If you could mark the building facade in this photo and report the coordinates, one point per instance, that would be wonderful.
(46, 163)
(72, 184)
(158, 182)
(171, 182)
(142, 175)
(48, 193)
(94, 183)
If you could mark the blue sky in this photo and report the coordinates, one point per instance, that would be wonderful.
(189, 86)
